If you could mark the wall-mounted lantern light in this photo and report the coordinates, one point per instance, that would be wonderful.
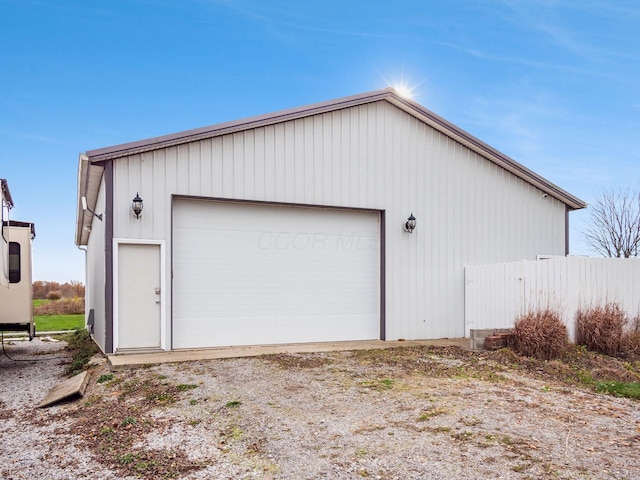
(410, 224)
(136, 205)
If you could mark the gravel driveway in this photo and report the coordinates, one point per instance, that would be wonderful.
(414, 413)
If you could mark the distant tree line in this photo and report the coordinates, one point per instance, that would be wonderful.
(55, 290)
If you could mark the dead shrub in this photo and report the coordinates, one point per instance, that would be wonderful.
(64, 306)
(631, 343)
(540, 334)
(631, 338)
(54, 295)
(601, 328)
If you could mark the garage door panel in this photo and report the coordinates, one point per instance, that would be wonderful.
(277, 330)
(250, 274)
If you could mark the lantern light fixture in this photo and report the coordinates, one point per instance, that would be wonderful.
(410, 224)
(136, 205)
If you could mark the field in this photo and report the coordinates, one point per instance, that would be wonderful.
(56, 323)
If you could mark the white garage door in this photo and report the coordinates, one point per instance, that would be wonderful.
(247, 274)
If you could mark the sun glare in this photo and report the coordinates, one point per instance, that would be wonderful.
(404, 90)
(404, 86)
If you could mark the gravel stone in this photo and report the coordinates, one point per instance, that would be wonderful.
(317, 416)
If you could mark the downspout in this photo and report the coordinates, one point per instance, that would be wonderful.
(86, 293)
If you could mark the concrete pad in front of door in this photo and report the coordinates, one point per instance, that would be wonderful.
(119, 361)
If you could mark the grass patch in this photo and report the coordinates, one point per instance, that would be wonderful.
(161, 398)
(107, 377)
(431, 413)
(40, 301)
(183, 387)
(620, 389)
(129, 421)
(384, 384)
(82, 348)
(57, 323)
(233, 404)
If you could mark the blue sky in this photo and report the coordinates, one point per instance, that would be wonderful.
(553, 84)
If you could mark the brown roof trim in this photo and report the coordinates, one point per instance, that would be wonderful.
(389, 94)
(487, 151)
(164, 141)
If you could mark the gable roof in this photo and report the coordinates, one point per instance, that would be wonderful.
(388, 94)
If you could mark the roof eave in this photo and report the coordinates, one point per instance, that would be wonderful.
(132, 148)
(486, 151)
(89, 178)
(6, 194)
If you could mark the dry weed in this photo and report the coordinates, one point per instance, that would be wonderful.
(540, 334)
(601, 328)
(63, 306)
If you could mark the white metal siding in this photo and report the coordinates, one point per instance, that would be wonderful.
(249, 274)
(375, 156)
(95, 271)
(497, 294)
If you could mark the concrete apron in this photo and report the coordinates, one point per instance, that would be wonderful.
(129, 360)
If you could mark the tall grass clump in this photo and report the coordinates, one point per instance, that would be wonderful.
(631, 338)
(601, 328)
(540, 334)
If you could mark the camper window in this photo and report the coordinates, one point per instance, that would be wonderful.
(14, 262)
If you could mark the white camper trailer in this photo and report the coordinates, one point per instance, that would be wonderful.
(16, 295)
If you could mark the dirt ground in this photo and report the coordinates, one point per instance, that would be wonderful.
(402, 413)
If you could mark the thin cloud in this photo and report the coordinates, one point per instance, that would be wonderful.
(605, 74)
(31, 137)
(275, 24)
(549, 18)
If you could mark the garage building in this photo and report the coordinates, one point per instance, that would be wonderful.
(298, 226)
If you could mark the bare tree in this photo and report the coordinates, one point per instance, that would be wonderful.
(614, 229)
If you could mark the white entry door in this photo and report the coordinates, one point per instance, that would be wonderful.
(138, 297)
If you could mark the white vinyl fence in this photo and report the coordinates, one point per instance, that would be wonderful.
(495, 295)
